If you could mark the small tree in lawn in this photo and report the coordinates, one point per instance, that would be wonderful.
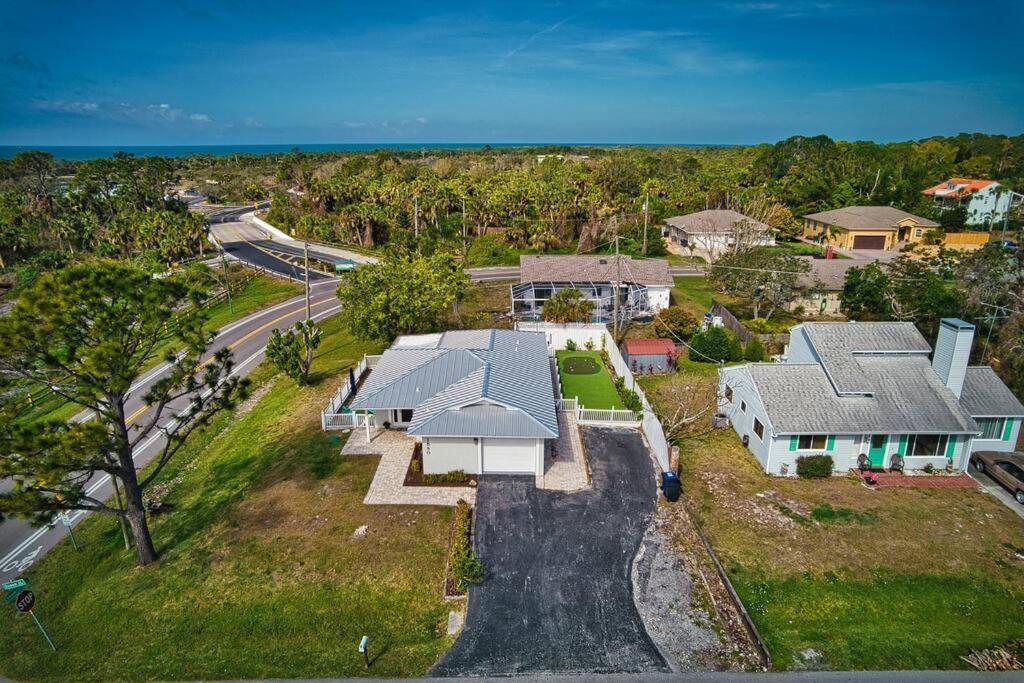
(87, 332)
(567, 306)
(677, 322)
(292, 352)
(710, 346)
(754, 351)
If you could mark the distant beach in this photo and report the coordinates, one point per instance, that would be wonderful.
(82, 153)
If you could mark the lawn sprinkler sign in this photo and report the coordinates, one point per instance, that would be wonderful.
(25, 602)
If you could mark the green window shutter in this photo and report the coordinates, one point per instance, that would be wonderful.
(951, 446)
(793, 441)
(903, 445)
(830, 442)
(1008, 429)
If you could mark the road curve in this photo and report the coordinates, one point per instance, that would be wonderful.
(21, 545)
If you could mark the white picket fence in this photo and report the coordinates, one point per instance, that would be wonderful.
(332, 417)
(598, 335)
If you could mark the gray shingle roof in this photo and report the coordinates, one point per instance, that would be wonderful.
(868, 217)
(841, 346)
(593, 269)
(830, 274)
(714, 221)
(448, 385)
(985, 395)
(908, 397)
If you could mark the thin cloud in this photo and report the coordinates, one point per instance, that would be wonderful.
(160, 114)
(529, 41)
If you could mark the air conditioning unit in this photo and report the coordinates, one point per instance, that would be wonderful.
(719, 420)
(746, 439)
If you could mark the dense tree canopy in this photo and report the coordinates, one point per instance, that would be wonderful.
(402, 294)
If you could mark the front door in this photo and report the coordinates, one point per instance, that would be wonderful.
(876, 453)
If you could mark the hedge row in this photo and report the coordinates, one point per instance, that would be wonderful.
(462, 561)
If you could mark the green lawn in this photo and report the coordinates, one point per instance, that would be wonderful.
(260, 574)
(253, 295)
(693, 294)
(888, 579)
(594, 389)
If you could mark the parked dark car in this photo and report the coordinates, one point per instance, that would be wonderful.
(1005, 468)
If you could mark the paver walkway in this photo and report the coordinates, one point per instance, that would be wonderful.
(565, 467)
(387, 488)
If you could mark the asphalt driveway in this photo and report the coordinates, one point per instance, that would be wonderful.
(557, 596)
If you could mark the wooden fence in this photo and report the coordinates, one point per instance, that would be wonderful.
(745, 335)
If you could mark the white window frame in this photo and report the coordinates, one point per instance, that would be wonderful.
(753, 427)
(743, 407)
(728, 393)
(983, 422)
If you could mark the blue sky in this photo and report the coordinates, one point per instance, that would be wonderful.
(232, 72)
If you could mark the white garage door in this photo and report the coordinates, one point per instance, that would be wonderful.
(510, 456)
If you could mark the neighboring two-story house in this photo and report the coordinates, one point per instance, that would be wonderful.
(866, 227)
(852, 388)
(986, 201)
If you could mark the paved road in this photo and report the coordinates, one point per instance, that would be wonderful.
(557, 596)
(246, 241)
(21, 545)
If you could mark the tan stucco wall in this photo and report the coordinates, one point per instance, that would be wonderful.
(812, 304)
(843, 238)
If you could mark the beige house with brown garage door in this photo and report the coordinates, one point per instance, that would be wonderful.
(866, 227)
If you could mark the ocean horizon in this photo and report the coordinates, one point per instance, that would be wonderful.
(86, 152)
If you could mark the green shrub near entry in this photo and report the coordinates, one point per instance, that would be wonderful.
(462, 561)
(814, 466)
(570, 345)
(453, 477)
(735, 350)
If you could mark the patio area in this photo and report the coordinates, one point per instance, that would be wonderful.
(388, 486)
(583, 374)
(565, 466)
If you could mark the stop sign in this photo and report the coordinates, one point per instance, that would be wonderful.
(26, 601)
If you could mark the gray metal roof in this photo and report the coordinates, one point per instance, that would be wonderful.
(841, 345)
(868, 218)
(908, 397)
(446, 385)
(985, 395)
(577, 268)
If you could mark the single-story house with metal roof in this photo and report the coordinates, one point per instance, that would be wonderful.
(481, 401)
(649, 356)
(716, 231)
(848, 389)
(866, 227)
(643, 284)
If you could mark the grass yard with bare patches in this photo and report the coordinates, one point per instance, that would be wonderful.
(872, 579)
(262, 573)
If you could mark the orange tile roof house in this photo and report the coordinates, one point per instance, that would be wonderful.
(986, 201)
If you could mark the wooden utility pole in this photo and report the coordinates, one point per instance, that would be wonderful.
(305, 255)
(463, 225)
(416, 216)
(615, 291)
(647, 197)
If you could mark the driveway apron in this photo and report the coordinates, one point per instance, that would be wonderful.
(557, 595)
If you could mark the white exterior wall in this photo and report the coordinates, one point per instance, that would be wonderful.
(799, 349)
(658, 297)
(987, 204)
(1003, 446)
(744, 392)
(445, 454)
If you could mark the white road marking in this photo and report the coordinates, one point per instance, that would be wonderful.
(78, 514)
